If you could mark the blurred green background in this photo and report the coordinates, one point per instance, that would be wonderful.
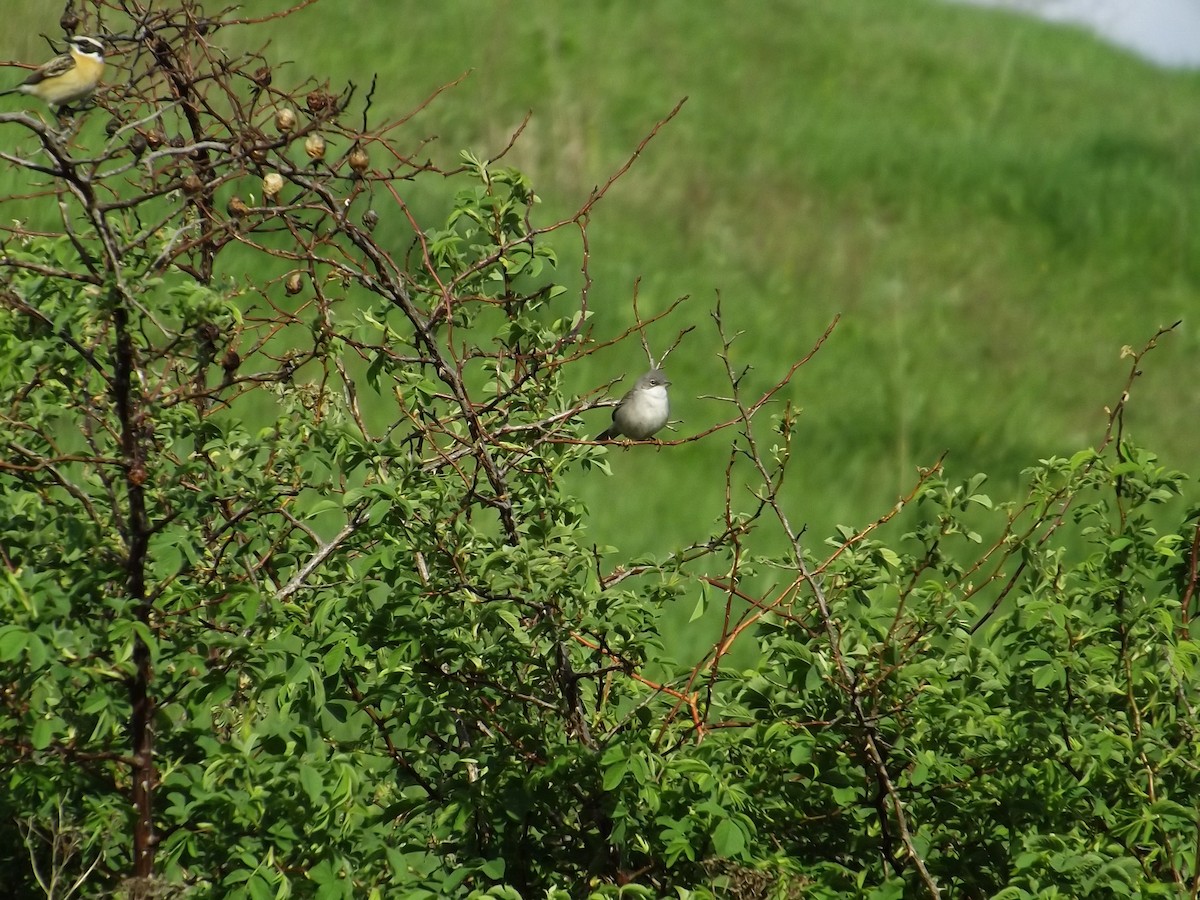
(995, 206)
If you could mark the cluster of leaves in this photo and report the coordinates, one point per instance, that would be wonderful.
(294, 602)
(1037, 705)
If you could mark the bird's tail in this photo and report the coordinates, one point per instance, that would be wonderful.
(607, 435)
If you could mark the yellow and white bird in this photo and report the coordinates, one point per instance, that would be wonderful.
(68, 77)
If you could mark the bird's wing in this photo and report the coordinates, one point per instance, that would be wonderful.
(60, 65)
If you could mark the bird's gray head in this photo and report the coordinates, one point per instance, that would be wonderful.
(653, 378)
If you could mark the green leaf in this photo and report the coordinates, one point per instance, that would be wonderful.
(613, 776)
(42, 734)
(311, 781)
(493, 869)
(258, 888)
(729, 839)
(12, 641)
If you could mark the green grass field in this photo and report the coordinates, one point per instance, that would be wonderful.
(994, 206)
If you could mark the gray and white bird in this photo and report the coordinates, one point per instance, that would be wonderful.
(643, 411)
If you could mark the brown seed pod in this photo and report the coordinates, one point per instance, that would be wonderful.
(192, 185)
(293, 284)
(262, 76)
(177, 142)
(358, 159)
(207, 333)
(314, 146)
(237, 207)
(137, 144)
(316, 100)
(272, 184)
(285, 119)
(69, 20)
(154, 138)
(370, 219)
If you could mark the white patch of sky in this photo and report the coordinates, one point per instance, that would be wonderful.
(1164, 31)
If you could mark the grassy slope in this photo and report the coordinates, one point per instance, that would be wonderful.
(994, 206)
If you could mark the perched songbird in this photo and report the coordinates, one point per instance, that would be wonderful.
(66, 78)
(642, 411)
